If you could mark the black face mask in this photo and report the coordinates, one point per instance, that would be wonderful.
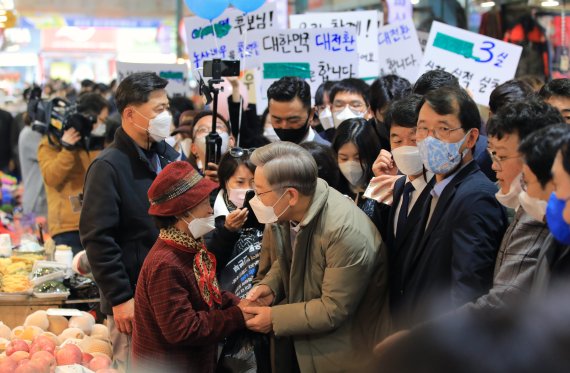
(293, 135)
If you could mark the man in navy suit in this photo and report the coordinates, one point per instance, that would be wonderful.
(452, 260)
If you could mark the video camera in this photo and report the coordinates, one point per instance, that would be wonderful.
(53, 117)
(215, 69)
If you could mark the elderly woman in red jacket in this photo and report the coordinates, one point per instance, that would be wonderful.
(180, 312)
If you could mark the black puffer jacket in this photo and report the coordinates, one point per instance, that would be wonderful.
(115, 227)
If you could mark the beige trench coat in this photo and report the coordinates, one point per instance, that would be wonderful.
(331, 289)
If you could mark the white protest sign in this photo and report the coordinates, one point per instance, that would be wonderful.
(231, 36)
(479, 62)
(316, 55)
(399, 10)
(176, 74)
(400, 50)
(365, 23)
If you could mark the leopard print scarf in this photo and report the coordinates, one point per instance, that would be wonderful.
(204, 263)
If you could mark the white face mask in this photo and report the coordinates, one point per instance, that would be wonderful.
(170, 140)
(265, 214)
(535, 207)
(270, 134)
(326, 118)
(201, 226)
(159, 126)
(100, 130)
(346, 113)
(408, 160)
(201, 142)
(237, 196)
(511, 199)
(185, 146)
(353, 172)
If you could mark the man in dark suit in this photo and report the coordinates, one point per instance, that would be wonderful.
(396, 222)
(452, 260)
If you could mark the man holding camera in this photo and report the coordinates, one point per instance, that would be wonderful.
(63, 164)
(115, 227)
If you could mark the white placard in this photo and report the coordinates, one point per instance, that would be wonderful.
(317, 55)
(365, 23)
(176, 74)
(399, 10)
(400, 50)
(479, 62)
(231, 36)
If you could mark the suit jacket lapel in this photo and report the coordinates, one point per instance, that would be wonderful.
(441, 207)
(417, 212)
(398, 190)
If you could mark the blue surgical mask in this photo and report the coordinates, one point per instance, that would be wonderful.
(556, 224)
(441, 157)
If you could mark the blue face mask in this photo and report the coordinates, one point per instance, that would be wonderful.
(441, 157)
(556, 224)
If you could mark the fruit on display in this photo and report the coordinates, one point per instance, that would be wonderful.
(39, 319)
(84, 322)
(68, 355)
(30, 348)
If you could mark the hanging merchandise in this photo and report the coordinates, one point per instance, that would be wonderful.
(529, 34)
(491, 24)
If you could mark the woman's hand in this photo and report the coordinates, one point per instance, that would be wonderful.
(236, 219)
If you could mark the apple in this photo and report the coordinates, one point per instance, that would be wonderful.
(19, 356)
(8, 366)
(100, 362)
(68, 355)
(42, 343)
(87, 357)
(16, 345)
(45, 358)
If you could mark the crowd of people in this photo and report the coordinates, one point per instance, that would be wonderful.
(383, 222)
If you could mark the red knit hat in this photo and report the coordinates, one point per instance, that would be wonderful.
(178, 188)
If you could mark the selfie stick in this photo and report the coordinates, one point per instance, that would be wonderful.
(213, 139)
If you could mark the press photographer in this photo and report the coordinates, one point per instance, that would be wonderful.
(73, 137)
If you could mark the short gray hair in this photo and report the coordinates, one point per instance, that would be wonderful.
(287, 165)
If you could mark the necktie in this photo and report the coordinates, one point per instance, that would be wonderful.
(403, 215)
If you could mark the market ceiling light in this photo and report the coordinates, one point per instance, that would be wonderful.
(549, 3)
(488, 4)
(415, 2)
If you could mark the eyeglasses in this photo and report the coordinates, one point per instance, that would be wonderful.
(238, 152)
(358, 106)
(271, 190)
(499, 160)
(205, 130)
(441, 133)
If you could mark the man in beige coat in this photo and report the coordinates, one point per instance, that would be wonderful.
(327, 286)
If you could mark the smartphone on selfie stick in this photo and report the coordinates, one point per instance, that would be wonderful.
(215, 69)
